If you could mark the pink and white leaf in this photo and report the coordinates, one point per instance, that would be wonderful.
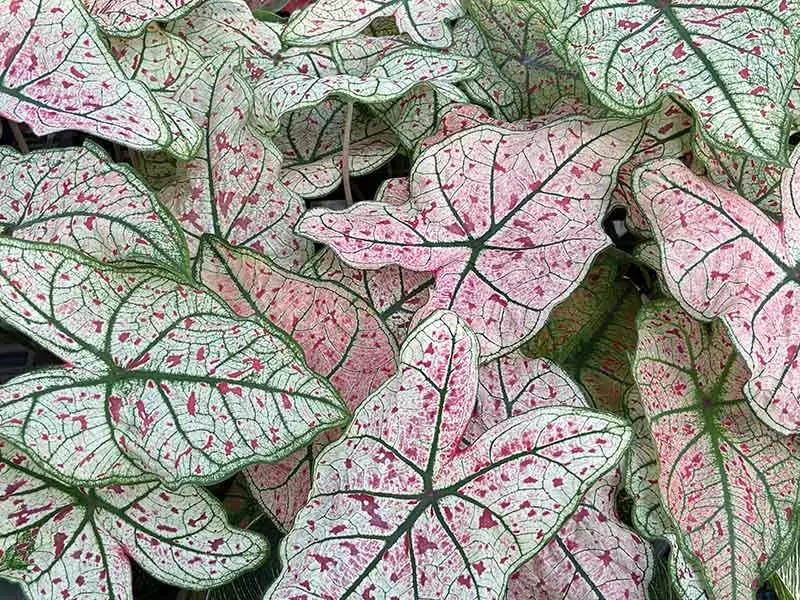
(397, 505)
(129, 18)
(79, 198)
(56, 73)
(65, 542)
(722, 258)
(161, 378)
(508, 222)
(727, 481)
(232, 188)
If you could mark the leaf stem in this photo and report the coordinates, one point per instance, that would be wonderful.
(22, 145)
(348, 123)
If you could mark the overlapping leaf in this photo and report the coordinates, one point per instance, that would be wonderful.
(327, 20)
(128, 18)
(79, 198)
(385, 72)
(160, 377)
(397, 508)
(733, 63)
(728, 481)
(65, 542)
(723, 258)
(508, 222)
(594, 555)
(232, 187)
(310, 141)
(56, 73)
(592, 333)
(342, 337)
(415, 116)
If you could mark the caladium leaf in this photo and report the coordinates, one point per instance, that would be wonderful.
(396, 500)
(728, 481)
(303, 78)
(65, 542)
(723, 258)
(231, 189)
(129, 18)
(594, 555)
(507, 222)
(592, 333)
(328, 20)
(733, 64)
(415, 116)
(220, 26)
(310, 141)
(56, 73)
(161, 378)
(79, 198)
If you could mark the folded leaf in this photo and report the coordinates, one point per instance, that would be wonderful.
(64, 542)
(397, 504)
(129, 18)
(415, 116)
(160, 377)
(508, 222)
(723, 258)
(79, 198)
(232, 188)
(57, 73)
(328, 20)
(733, 63)
(727, 481)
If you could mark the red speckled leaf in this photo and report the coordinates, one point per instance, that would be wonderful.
(56, 73)
(594, 556)
(79, 198)
(328, 20)
(128, 18)
(729, 482)
(397, 507)
(415, 116)
(232, 188)
(723, 258)
(733, 63)
(64, 542)
(161, 378)
(508, 222)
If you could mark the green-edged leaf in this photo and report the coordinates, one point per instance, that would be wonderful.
(787, 580)
(516, 35)
(160, 377)
(57, 73)
(728, 481)
(79, 198)
(232, 188)
(507, 221)
(328, 20)
(733, 63)
(385, 72)
(415, 116)
(310, 141)
(220, 26)
(129, 18)
(592, 333)
(163, 62)
(65, 542)
(396, 504)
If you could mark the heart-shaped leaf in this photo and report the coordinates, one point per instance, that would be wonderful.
(79, 198)
(723, 258)
(342, 337)
(57, 73)
(592, 333)
(396, 503)
(733, 64)
(232, 187)
(129, 18)
(728, 481)
(65, 542)
(508, 222)
(310, 141)
(160, 377)
(328, 20)
(594, 555)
